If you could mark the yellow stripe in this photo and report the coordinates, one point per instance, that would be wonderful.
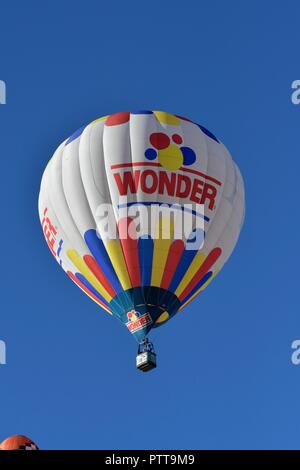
(163, 317)
(163, 239)
(115, 253)
(76, 259)
(161, 250)
(199, 290)
(99, 119)
(189, 275)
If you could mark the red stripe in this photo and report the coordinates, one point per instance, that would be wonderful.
(98, 273)
(206, 265)
(126, 165)
(195, 172)
(86, 290)
(187, 170)
(129, 245)
(174, 255)
(184, 118)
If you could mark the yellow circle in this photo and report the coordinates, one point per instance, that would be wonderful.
(171, 157)
(163, 317)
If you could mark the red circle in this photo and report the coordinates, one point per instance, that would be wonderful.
(159, 140)
(177, 139)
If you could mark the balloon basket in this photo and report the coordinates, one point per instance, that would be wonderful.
(146, 361)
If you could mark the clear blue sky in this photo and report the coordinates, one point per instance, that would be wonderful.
(225, 379)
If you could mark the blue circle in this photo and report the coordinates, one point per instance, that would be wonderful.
(189, 156)
(151, 154)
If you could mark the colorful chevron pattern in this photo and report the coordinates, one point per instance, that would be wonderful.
(156, 276)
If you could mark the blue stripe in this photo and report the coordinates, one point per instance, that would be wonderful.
(145, 249)
(174, 206)
(196, 237)
(141, 112)
(183, 265)
(99, 252)
(75, 135)
(197, 287)
(89, 286)
(207, 132)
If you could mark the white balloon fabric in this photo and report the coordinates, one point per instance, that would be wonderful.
(142, 210)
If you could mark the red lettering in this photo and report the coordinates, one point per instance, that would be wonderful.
(129, 182)
(196, 191)
(210, 193)
(185, 191)
(149, 174)
(166, 182)
(50, 232)
(139, 323)
(173, 184)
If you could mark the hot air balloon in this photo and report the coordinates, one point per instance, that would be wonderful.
(142, 210)
(18, 442)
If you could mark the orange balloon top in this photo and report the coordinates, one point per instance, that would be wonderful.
(18, 442)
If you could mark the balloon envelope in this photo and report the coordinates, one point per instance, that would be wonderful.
(18, 442)
(142, 210)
